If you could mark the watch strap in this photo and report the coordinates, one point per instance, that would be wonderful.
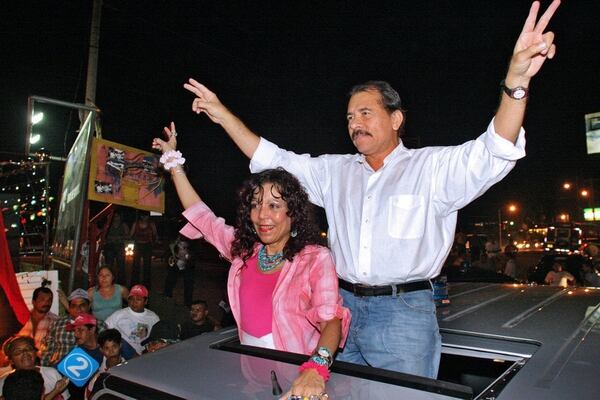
(517, 93)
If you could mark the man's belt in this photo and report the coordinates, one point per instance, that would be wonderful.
(386, 290)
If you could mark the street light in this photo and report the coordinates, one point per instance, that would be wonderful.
(564, 217)
(37, 118)
(512, 208)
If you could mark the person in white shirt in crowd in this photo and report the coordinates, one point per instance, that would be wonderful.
(558, 276)
(135, 321)
(392, 210)
(21, 352)
(492, 251)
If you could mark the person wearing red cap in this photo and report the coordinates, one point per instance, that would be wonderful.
(86, 335)
(135, 321)
(85, 330)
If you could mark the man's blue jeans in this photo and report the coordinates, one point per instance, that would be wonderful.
(398, 333)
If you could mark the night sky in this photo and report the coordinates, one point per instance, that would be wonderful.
(285, 68)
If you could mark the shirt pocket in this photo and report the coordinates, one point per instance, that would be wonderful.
(406, 216)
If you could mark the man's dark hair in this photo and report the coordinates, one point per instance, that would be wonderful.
(201, 302)
(390, 99)
(41, 289)
(300, 210)
(23, 384)
(109, 335)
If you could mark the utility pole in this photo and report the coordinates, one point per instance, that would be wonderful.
(92, 70)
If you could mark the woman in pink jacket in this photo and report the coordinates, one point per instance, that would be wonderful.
(282, 285)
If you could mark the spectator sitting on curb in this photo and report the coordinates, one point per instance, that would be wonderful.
(21, 352)
(111, 347)
(135, 321)
(199, 321)
(59, 340)
(40, 317)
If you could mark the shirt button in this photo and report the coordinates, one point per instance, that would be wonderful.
(367, 221)
(364, 273)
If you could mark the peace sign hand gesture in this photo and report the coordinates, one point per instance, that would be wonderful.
(206, 101)
(170, 144)
(533, 45)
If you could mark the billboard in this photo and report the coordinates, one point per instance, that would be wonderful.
(592, 133)
(126, 176)
(72, 198)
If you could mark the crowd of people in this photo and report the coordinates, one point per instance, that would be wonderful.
(367, 299)
(108, 335)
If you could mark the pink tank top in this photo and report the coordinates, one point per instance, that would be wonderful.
(256, 299)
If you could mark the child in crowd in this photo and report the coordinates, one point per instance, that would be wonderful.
(110, 346)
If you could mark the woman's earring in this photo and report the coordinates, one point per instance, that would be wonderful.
(293, 233)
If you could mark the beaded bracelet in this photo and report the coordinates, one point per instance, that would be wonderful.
(171, 159)
(321, 369)
(319, 360)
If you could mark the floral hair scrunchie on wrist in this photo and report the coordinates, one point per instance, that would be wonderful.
(171, 159)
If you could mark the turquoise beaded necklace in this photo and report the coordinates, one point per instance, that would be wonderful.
(266, 262)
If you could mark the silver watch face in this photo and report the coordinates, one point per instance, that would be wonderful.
(518, 93)
(323, 353)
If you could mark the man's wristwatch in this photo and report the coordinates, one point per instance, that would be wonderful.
(518, 93)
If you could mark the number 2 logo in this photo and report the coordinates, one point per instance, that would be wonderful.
(76, 368)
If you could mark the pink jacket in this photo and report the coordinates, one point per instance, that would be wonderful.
(306, 292)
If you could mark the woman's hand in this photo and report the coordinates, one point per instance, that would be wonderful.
(308, 384)
(170, 144)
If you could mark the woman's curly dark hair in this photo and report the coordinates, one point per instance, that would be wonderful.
(300, 210)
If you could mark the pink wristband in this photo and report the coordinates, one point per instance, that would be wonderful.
(321, 369)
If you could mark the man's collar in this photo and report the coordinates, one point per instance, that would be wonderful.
(360, 158)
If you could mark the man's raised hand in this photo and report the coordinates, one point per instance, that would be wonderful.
(533, 45)
(206, 101)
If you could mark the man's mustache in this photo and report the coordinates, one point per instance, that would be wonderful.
(358, 132)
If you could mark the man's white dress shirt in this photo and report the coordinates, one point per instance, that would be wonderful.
(396, 224)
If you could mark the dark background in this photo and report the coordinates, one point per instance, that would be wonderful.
(285, 67)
